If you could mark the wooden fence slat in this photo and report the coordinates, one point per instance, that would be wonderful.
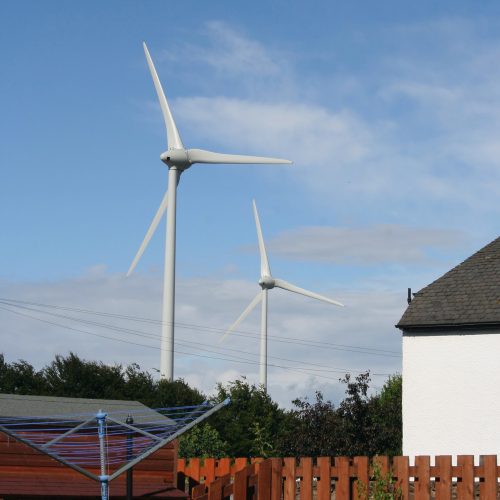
(423, 478)
(215, 490)
(209, 470)
(198, 491)
(443, 477)
(264, 480)
(223, 467)
(181, 464)
(306, 481)
(239, 464)
(194, 469)
(289, 475)
(465, 485)
(343, 483)
(276, 478)
(488, 485)
(240, 489)
(324, 479)
(402, 474)
(362, 484)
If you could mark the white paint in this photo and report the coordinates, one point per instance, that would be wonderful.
(451, 388)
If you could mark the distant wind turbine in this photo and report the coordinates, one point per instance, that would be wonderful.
(267, 282)
(178, 159)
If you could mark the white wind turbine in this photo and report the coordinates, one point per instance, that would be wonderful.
(178, 159)
(267, 282)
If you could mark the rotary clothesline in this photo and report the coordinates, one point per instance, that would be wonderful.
(109, 443)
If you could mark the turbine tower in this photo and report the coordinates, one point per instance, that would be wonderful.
(178, 159)
(267, 282)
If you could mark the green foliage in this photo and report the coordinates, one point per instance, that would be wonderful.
(20, 378)
(360, 425)
(251, 422)
(202, 441)
(71, 376)
(312, 429)
(382, 486)
(387, 418)
(252, 425)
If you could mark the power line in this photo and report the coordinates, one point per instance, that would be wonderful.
(206, 348)
(207, 329)
(241, 361)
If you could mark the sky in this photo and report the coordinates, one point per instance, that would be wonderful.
(389, 111)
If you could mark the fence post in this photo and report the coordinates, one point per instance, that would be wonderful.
(443, 477)
(465, 485)
(306, 480)
(325, 478)
(423, 478)
(289, 473)
(343, 482)
(402, 474)
(240, 488)
(362, 478)
(276, 479)
(488, 485)
(209, 470)
(264, 480)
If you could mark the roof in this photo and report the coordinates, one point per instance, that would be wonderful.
(467, 296)
(79, 409)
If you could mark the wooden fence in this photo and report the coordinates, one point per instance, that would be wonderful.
(339, 478)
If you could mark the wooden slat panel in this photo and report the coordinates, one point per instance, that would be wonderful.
(239, 464)
(264, 480)
(422, 480)
(488, 485)
(276, 478)
(401, 471)
(443, 481)
(362, 483)
(306, 481)
(465, 486)
(289, 475)
(223, 467)
(324, 479)
(240, 489)
(342, 484)
(209, 470)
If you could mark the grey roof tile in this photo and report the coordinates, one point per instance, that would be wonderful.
(467, 295)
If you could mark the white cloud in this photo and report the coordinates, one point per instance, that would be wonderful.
(205, 308)
(385, 243)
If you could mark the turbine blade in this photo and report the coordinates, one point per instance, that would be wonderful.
(173, 137)
(264, 262)
(292, 288)
(202, 156)
(150, 232)
(243, 315)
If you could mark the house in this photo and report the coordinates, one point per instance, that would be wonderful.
(26, 473)
(451, 361)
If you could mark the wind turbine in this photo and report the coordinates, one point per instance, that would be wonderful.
(267, 282)
(178, 159)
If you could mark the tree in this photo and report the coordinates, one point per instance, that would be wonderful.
(251, 419)
(312, 429)
(20, 378)
(388, 417)
(202, 441)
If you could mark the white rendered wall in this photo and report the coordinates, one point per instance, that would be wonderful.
(451, 394)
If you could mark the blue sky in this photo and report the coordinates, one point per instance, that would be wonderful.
(390, 112)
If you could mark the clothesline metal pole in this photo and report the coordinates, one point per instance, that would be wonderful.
(103, 478)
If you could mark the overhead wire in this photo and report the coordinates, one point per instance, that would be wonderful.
(305, 371)
(322, 344)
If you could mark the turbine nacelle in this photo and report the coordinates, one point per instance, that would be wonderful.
(176, 157)
(267, 282)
